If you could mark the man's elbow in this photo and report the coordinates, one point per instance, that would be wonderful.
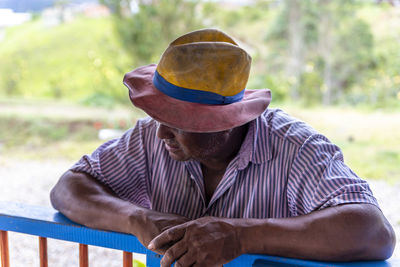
(382, 246)
(369, 235)
(59, 193)
(54, 198)
(379, 240)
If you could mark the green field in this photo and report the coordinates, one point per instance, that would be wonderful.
(370, 139)
(49, 130)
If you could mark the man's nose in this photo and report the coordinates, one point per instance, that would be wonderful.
(164, 132)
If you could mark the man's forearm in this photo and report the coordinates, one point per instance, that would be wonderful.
(87, 202)
(347, 232)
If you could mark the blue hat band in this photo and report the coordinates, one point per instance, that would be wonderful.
(191, 95)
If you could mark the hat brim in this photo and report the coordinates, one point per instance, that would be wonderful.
(192, 117)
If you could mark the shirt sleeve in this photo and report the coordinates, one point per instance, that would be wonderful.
(319, 179)
(121, 164)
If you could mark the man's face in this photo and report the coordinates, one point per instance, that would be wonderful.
(184, 146)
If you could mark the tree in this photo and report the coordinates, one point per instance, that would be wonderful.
(326, 35)
(345, 45)
(296, 47)
(146, 32)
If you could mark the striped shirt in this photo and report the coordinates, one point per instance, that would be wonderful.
(284, 168)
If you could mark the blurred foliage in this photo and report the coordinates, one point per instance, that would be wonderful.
(309, 52)
(40, 131)
(46, 138)
(147, 31)
(54, 129)
(81, 60)
(343, 52)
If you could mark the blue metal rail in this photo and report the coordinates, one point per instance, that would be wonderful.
(47, 222)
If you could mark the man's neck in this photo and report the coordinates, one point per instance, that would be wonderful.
(214, 168)
(220, 162)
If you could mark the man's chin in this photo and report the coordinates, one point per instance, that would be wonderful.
(178, 156)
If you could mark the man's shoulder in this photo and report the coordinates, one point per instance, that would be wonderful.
(284, 126)
(146, 126)
(144, 129)
(146, 123)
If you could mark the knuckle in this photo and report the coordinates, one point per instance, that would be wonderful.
(170, 254)
(167, 257)
(165, 261)
(169, 233)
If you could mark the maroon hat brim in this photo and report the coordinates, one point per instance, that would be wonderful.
(187, 116)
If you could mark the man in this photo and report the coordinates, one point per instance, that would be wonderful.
(214, 174)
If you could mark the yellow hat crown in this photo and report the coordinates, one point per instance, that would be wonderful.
(204, 66)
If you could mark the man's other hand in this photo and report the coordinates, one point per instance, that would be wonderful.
(148, 224)
(207, 241)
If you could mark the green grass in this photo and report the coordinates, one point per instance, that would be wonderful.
(47, 129)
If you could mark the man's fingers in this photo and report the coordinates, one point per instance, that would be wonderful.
(185, 261)
(167, 238)
(173, 253)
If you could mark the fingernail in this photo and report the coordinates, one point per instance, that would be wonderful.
(150, 246)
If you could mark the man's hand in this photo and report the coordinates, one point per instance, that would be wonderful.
(207, 241)
(341, 233)
(148, 224)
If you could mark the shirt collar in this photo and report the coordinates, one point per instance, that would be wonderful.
(256, 146)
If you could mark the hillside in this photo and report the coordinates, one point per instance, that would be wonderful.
(81, 60)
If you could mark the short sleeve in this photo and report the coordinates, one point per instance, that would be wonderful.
(319, 179)
(122, 165)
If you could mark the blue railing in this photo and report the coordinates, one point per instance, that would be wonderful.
(46, 222)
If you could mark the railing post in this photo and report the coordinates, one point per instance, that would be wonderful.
(127, 259)
(5, 257)
(43, 251)
(83, 255)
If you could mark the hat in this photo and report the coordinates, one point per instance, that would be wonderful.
(198, 85)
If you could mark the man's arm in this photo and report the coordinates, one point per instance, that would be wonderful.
(341, 233)
(85, 200)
